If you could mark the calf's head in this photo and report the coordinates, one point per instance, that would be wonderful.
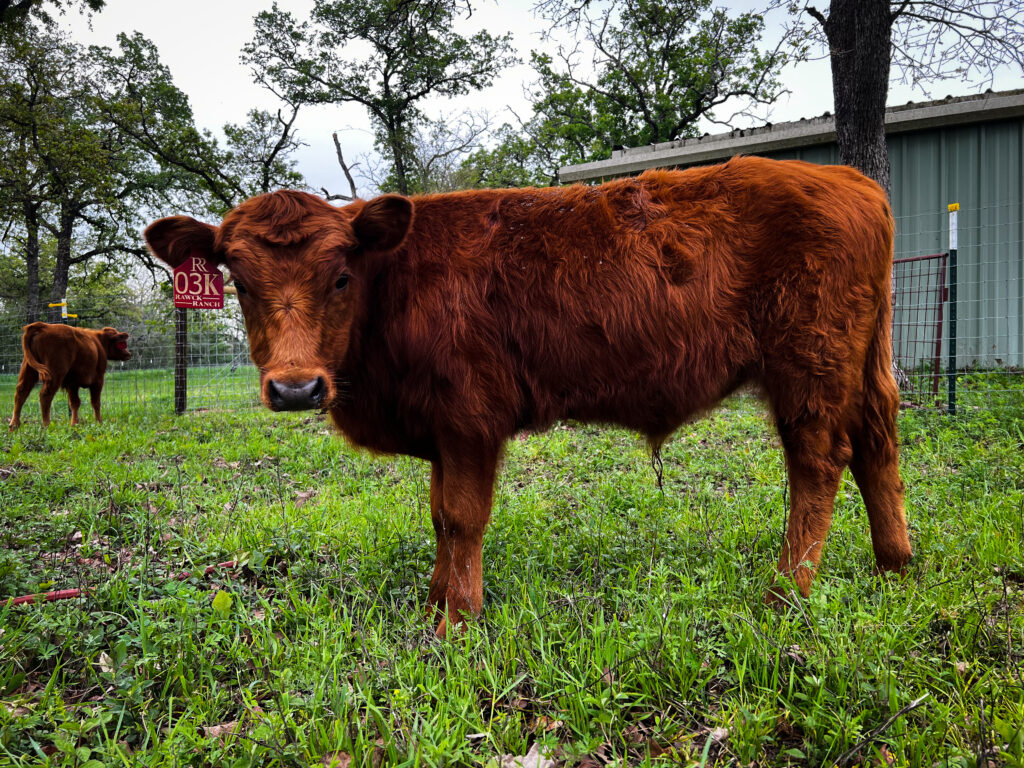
(301, 268)
(115, 343)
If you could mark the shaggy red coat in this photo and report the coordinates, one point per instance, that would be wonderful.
(439, 326)
(62, 356)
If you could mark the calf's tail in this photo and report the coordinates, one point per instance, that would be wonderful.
(31, 331)
(881, 393)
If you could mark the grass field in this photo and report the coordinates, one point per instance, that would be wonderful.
(622, 624)
(214, 386)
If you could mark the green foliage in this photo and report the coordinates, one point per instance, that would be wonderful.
(412, 53)
(93, 142)
(259, 153)
(621, 624)
(646, 71)
(14, 14)
(516, 159)
(73, 179)
(156, 116)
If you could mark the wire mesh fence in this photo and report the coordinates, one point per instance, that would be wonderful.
(920, 296)
(976, 362)
(219, 372)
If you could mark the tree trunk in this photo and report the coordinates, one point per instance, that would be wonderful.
(400, 177)
(31, 212)
(859, 36)
(396, 138)
(63, 267)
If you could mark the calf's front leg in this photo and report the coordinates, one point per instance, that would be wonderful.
(461, 492)
(442, 562)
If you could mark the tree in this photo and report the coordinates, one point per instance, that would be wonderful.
(520, 157)
(65, 171)
(14, 13)
(435, 154)
(413, 54)
(923, 41)
(259, 153)
(74, 181)
(649, 71)
(145, 104)
(93, 141)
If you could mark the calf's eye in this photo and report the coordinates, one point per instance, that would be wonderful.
(240, 288)
(342, 282)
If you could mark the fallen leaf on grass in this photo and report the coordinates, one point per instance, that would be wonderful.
(336, 760)
(532, 759)
(223, 729)
(719, 735)
(302, 497)
(796, 655)
(106, 663)
(548, 724)
(221, 601)
(885, 757)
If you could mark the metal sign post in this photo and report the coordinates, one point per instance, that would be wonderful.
(197, 285)
(954, 209)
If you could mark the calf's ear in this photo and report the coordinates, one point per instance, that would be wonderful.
(176, 238)
(383, 223)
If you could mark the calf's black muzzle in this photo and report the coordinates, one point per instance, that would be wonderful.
(300, 396)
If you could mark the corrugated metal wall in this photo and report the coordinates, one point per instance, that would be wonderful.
(982, 168)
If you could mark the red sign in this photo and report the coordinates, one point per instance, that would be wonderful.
(198, 284)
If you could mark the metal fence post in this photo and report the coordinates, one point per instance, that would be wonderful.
(180, 360)
(951, 361)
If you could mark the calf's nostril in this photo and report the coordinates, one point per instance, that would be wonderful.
(284, 396)
(319, 390)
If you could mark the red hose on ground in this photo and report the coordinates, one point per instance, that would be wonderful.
(66, 594)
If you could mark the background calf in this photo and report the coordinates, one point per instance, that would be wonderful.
(60, 356)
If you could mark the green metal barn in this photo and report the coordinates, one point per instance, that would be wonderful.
(967, 150)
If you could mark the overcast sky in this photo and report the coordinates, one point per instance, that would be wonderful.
(200, 42)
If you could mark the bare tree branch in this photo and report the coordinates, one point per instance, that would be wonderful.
(346, 169)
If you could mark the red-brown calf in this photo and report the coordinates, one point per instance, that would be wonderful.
(60, 356)
(438, 326)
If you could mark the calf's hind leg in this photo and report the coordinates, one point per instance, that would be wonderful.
(815, 457)
(94, 399)
(46, 395)
(75, 402)
(875, 467)
(27, 378)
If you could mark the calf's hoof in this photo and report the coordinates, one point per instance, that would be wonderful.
(779, 596)
(789, 588)
(894, 563)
